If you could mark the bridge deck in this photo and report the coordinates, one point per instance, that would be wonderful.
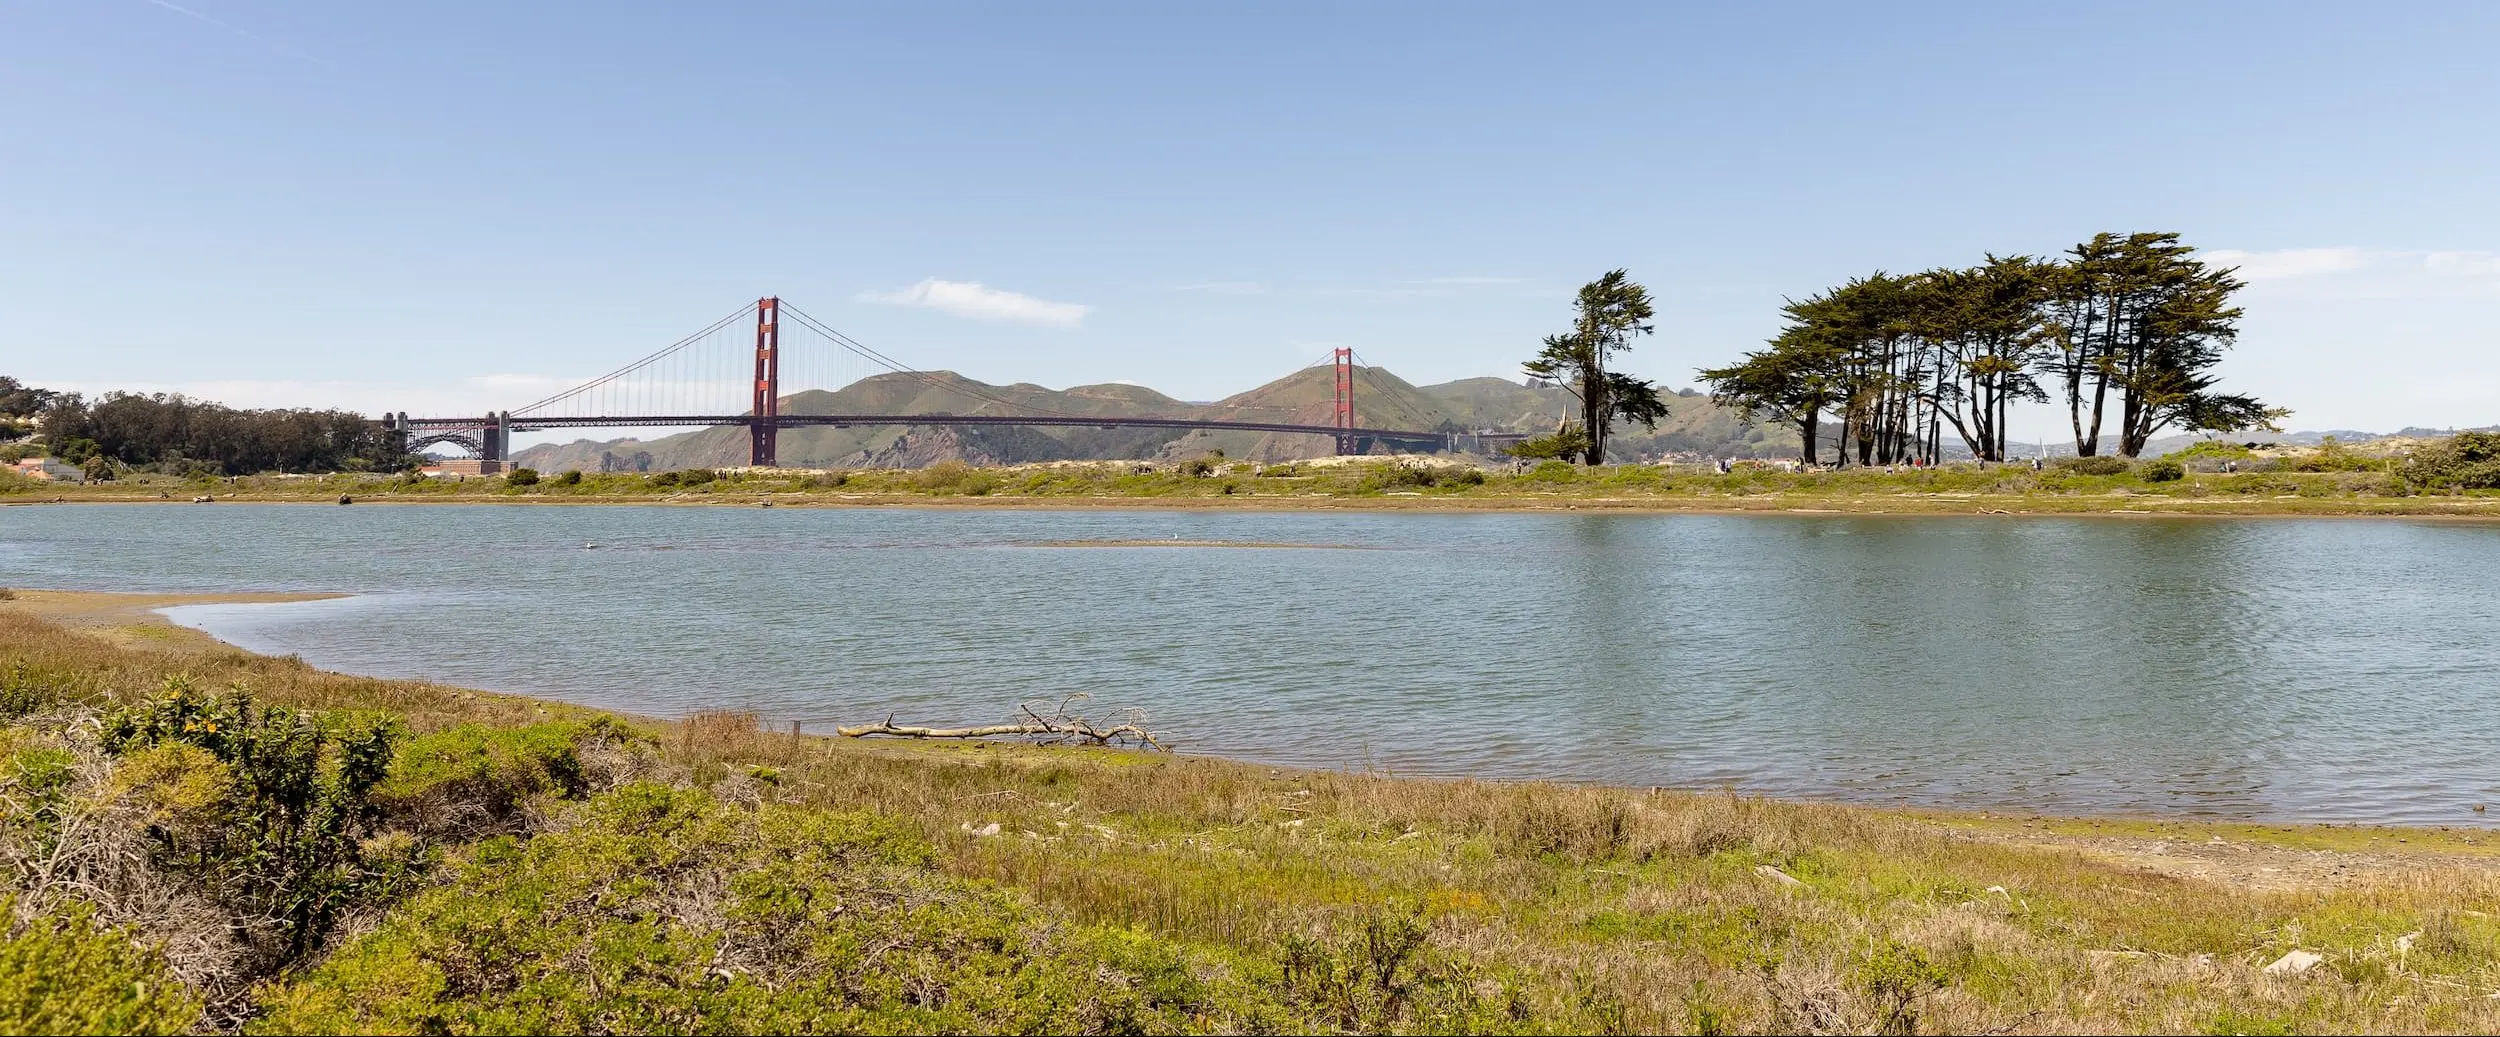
(528, 423)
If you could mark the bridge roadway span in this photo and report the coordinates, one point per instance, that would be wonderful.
(531, 423)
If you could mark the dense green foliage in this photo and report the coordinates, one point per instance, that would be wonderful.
(2093, 465)
(1608, 313)
(2135, 323)
(276, 802)
(655, 909)
(19, 405)
(61, 973)
(183, 436)
(473, 778)
(1560, 444)
(2466, 461)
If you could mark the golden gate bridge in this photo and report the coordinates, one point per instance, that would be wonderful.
(711, 378)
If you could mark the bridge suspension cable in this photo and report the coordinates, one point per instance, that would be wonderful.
(728, 374)
(1395, 402)
(889, 363)
(612, 378)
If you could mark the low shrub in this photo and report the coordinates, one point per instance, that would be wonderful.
(474, 778)
(2213, 449)
(280, 841)
(572, 477)
(958, 478)
(2332, 456)
(2098, 464)
(23, 692)
(1554, 471)
(2164, 470)
(2466, 461)
(66, 974)
(1397, 477)
(522, 477)
(1569, 442)
(658, 907)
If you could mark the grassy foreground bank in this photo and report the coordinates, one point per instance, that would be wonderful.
(2363, 486)
(346, 854)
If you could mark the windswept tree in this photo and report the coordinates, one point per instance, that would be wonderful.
(1609, 313)
(2129, 328)
(1794, 381)
(2142, 317)
(1987, 324)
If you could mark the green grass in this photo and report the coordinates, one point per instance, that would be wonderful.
(2328, 483)
(563, 870)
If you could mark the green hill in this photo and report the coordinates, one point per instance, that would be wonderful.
(1382, 400)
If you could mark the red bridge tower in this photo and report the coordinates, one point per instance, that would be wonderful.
(765, 420)
(1345, 402)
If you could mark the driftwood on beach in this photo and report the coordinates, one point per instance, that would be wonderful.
(1061, 725)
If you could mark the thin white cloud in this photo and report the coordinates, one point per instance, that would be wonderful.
(245, 33)
(2463, 264)
(981, 302)
(2374, 272)
(2286, 263)
(1224, 288)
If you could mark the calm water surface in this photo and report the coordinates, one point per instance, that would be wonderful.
(2275, 669)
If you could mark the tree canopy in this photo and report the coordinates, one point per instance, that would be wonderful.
(1902, 358)
(1608, 313)
(179, 434)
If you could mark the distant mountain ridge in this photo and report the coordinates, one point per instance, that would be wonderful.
(1694, 425)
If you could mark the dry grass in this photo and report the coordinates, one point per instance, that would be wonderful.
(1663, 911)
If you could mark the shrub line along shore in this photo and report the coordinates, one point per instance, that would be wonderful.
(2473, 510)
(511, 865)
(1413, 484)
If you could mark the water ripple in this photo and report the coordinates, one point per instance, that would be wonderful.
(2294, 670)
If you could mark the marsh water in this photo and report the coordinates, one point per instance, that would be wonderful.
(2278, 669)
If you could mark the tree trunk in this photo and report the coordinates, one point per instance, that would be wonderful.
(1589, 412)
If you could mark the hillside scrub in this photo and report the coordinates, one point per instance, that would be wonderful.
(534, 867)
(2465, 461)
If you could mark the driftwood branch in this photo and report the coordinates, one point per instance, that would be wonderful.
(1062, 726)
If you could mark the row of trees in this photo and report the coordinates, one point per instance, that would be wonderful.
(2125, 328)
(179, 434)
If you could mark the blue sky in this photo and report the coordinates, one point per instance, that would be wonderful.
(454, 206)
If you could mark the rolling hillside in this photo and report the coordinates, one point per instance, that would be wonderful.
(1382, 399)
